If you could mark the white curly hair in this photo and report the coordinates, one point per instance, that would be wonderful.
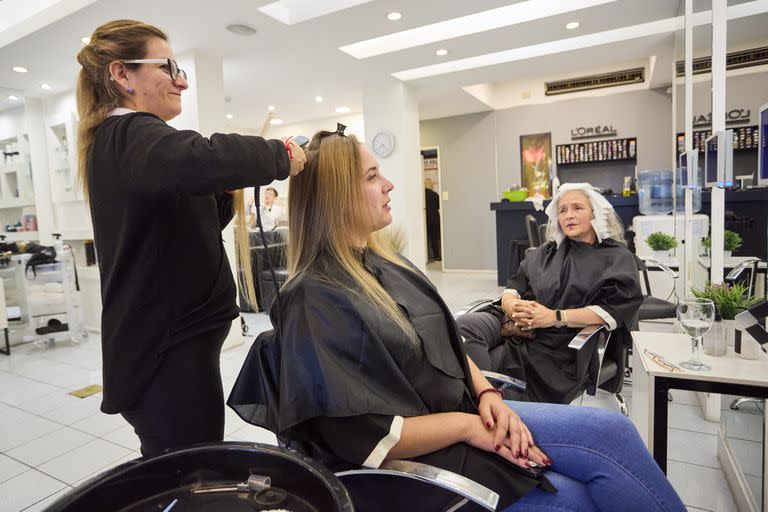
(604, 219)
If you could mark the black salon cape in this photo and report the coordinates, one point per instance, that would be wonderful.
(346, 371)
(158, 205)
(575, 275)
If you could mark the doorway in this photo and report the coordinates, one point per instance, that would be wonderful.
(430, 159)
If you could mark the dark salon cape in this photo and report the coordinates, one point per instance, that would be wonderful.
(158, 205)
(346, 371)
(575, 275)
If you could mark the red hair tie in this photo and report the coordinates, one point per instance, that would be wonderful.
(489, 390)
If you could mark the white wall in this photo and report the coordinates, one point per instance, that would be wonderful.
(741, 91)
(11, 123)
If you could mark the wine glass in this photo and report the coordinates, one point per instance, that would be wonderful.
(695, 317)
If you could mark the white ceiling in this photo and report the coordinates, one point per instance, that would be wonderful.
(288, 65)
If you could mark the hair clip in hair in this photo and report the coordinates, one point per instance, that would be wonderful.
(340, 129)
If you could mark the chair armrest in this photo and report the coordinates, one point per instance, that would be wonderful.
(458, 484)
(502, 382)
(671, 273)
(585, 362)
(738, 269)
(473, 306)
(580, 340)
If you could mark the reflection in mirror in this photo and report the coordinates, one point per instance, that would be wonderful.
(743, 420)
(742, 426)
(16, 192)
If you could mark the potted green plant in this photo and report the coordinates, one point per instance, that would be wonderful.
(731, 242)
(729, 301)
(661, 244)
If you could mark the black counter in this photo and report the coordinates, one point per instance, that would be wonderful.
(747, 204)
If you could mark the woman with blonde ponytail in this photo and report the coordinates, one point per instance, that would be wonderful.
(159, 198)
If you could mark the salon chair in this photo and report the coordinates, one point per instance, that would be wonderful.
(739, 274)
(395, 485)
(532, 227)
(653, 308)
(274, 257)
(601, 362)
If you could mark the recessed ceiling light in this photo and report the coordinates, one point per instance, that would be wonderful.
(276, 121)
(572, 25)
(46, 87)
(85, 40)
(394, 16)
(229, 116)
(271, 108)
(343, 110)
(441, 52)
(319, 99)
(19, 69)
(508, 15)
(13, 98)
(242, 29)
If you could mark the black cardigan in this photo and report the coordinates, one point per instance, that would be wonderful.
(158, 204)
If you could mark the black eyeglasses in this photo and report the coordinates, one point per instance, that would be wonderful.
(169, 65)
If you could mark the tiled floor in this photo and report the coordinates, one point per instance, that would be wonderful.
(51, 441)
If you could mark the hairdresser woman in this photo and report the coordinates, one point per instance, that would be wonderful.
(158, 199)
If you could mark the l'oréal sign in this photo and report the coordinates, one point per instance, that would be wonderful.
(593, 132)
(733, 116)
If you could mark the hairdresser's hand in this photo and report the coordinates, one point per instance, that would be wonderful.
(298, 158)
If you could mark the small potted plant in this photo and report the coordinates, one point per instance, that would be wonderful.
(661, 244)
(729, 301)
(731, 242)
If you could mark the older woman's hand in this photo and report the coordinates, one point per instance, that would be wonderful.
(529, 315)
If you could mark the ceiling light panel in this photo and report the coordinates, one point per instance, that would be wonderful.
(548, 48)
(521, 12)
(291, 12)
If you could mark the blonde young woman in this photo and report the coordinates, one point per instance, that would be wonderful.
(372, 366)
(159, 200)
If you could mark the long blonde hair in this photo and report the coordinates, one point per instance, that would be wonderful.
(97, 95)
(325, 210)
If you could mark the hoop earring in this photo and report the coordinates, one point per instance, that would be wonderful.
(131, 90)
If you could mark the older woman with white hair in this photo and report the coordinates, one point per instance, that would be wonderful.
(583, 275)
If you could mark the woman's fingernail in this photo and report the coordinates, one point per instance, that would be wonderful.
(526, 453)
(488, 425)
(516, 454)
(547, 462)
(498, 447)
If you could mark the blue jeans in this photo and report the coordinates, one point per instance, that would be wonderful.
(599, 462)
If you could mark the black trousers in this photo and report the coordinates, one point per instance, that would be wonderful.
(433, 237)
(184, 403)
